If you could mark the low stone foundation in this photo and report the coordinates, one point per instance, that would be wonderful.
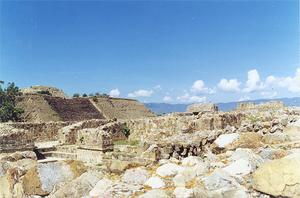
(172, 124)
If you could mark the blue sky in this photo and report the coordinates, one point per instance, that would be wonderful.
(154, 51)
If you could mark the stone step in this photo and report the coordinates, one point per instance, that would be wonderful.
(46, 146)
(67, 148)
(63, 155)
(50, 159)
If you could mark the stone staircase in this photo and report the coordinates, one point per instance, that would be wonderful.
(52, 151)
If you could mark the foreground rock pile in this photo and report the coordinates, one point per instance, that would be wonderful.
(256, 155)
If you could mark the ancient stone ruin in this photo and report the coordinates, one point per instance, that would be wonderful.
(117, 148)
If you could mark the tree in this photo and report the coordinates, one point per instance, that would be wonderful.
(84, 95)
(76, 95)
(8, 109)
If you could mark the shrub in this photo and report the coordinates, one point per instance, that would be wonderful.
(95, 99)
(105, 95)
(126, 131)
(8, 109)
(44, 93)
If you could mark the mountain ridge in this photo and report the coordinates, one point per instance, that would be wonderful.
(162, 108)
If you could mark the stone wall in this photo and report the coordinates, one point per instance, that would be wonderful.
(172, 124)
(72, 134)
(40, 132)
(273, 105)
(202, 107)
(22, 136)
(12, 139)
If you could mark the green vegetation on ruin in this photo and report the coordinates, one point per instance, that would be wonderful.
(8, 109)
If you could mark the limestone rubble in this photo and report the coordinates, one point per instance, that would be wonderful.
(250, 152)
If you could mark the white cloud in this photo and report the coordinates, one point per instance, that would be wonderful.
(140, 93)
(244, 98)
(157, 87)
(197, 99)
(269, 94)
(167, 99)
(187, 98)
(199, 87)
(253, 83)
(232, 85)
(114, 93)
(294, 83)
(291, 83)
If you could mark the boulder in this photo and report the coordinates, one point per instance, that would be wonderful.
(181, 192)
(118, 166)
(79, 187)
(226, 139)
(279, 177)
(135, 176)
(168, 169)
(42, 178)
(275, 138)
(191, 161)
(239, 167)
(236, 140)
(155, 182)
(102, 189)
(184, 176)
(219, 180)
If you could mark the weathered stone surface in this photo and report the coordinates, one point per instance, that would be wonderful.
(278, 178)
(155, 193)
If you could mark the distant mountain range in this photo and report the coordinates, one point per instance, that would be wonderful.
(161, 108)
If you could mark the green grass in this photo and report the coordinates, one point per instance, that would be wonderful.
(127, 142)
